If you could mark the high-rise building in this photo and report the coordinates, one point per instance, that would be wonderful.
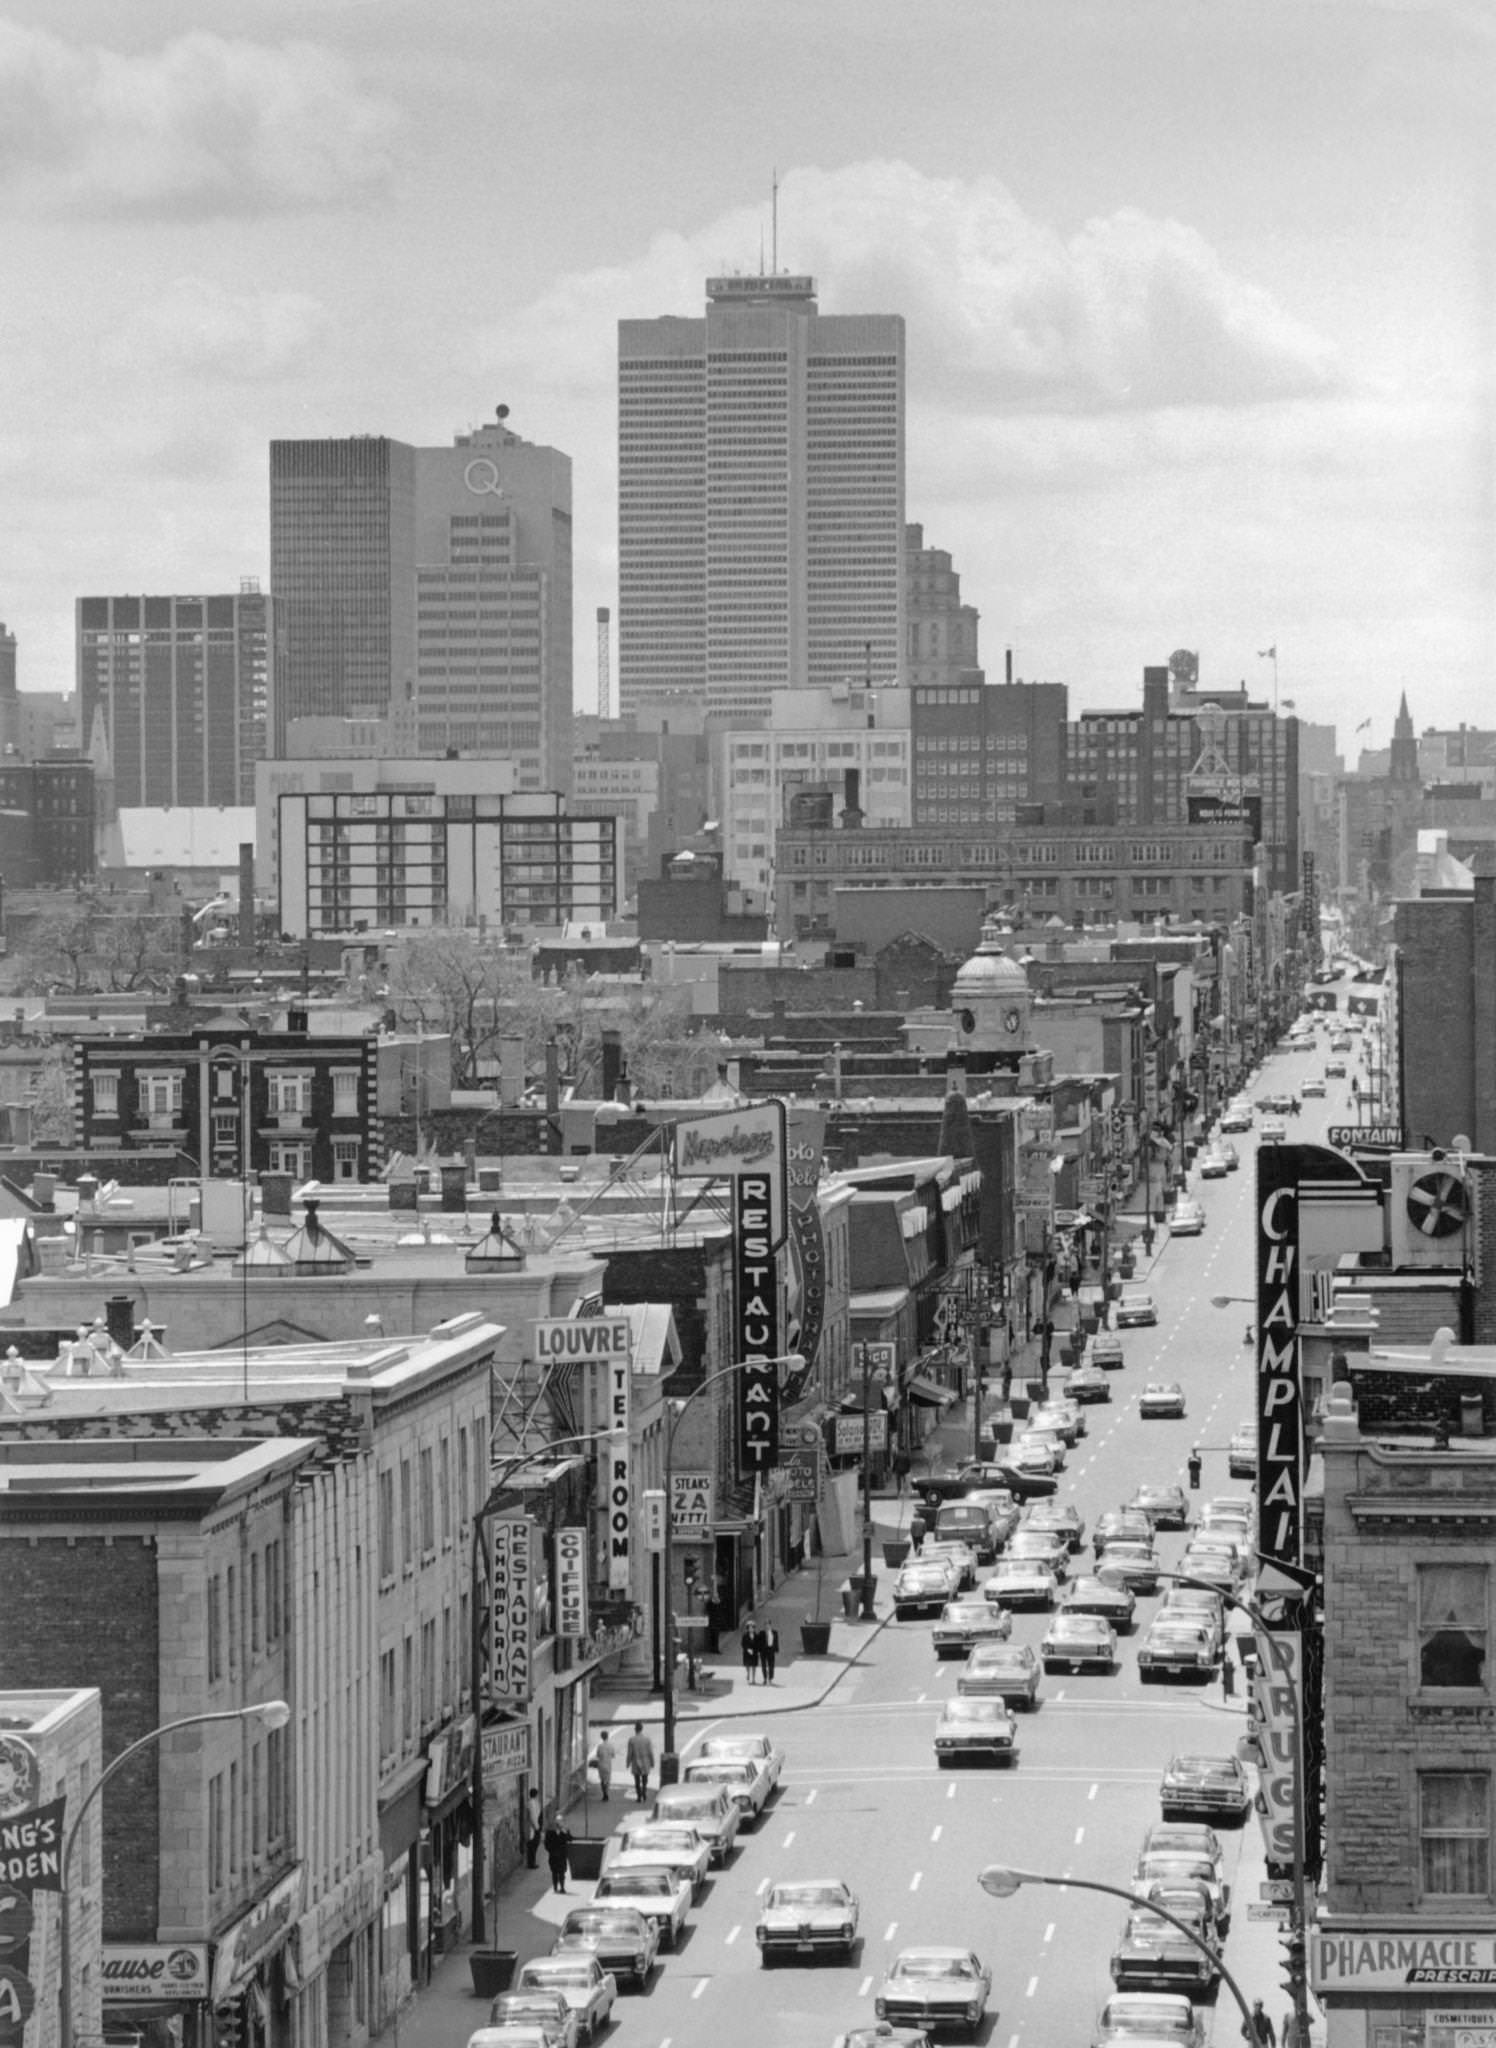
(760, 497)
(439, 578)
(10, 721)
(182, 686)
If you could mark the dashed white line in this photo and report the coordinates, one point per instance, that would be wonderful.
(889, 1932)
(1093, 1791)
(950, 1790)
(701, 1984)
(810, 1797)
(1049, 1932)
(762, 1887)
(1080, 1836)
(1033, 1985)
(732, 1934)
(864, 1987)
(914, 1881)
(788, 1839)
(935, 1832)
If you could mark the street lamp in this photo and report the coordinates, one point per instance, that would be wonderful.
(499, 1487)
(272, 1713)
(1002, 1880)
(790, 1362)
(1299, 1906)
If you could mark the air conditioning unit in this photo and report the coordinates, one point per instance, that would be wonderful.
(1429, 1219)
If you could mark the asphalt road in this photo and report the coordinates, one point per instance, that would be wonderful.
(862, 1798)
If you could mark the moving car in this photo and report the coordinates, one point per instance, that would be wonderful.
(1121, 1525)
(1154, 2016)
(1187, 1218)
(1162, 1398)
(971, 1523)
(1230, 1154)
(710, 1809)
(759, 1749)
(1204, 1785)
(934, 1987)
(1004, 1671)
(1079, 1642)
(1312, 1087)
(621, 1938)
(1180, 1866)
(1274, 1131)
(1241, 1452)
(680, 1848)
(581, 1980)
(1087, 1382)
(975, 1727)
(1237, 1117)
(965, 1623)
(1213, 1165)
(1043, 1546)
(1153, 1954)
(1177, 1645)
(1203, 1602)
(960, 1556)
(922, 1588)
(1105, 1349)
(1113, 1604)
(1057, 1518)
(1001, 1507)
(1020, 1582)
(1165, 1507)
(1335, 1070)
(547, 2010)
(661, 1894)
(1039, 1457)
(1135, 1306)
(806, 1916)
(1002, 1472)
(746, 1781)
(1133, 1565)
(1064, 1419)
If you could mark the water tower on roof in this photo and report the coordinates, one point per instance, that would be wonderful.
(991, 1001)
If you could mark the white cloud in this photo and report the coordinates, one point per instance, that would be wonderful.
(1004, 313)
(204, 125)
(199, 326)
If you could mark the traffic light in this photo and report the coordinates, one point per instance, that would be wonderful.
(688, 1570)
(1293, 1979)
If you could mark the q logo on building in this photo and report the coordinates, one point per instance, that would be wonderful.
(20, 1777)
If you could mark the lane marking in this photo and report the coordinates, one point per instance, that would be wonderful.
(935, 1832)
(733, 1933)
(810, 1797)
(788, 1839)
(1049, 1932)
(1093, 1791)
(914, 1881)
(762, 1887)
(701, 1984)
(1033, 1985)
(950, 1790)
(1080, 1836)
(888, 1936)
(864, 1987)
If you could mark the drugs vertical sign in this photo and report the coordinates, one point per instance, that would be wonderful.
(620, 1489)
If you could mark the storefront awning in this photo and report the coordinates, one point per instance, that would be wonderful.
(918, 1388)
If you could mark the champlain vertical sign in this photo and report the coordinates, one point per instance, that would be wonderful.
(511, 1633)
(1280, 1429)
(620, 1502)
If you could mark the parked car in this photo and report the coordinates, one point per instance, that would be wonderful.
(589, 1989)
(922, 1588)
(1241, 1452)
(623, 1941)
(1335, 1070)
(1105, 1349)
(1002, 1472)
(807, 1916)
(1005, 1671)
(1135, 1306)
(960, 1556)
(1087, 1382)
(1196, 1600)
(1157, 2017)
(1238, 1117)
(746, 1782)
(1057, 1518)
(1039, 1457)
(1004, 1511)
(1204, 1785)
(934, 1987)
(969, 1522)
(1230, 1154)
(1313, 1086)
(1079, 1642)
(710, 1809)
(682, 1849)
(513, 2011)
(975, 1728)
(1187, 1218)
(1162, 1400)
(1153, 1954)
(1182, 1866)
(1218, 1565)
(660, 1893)
(881, 2035)
(1177, 1645)
(759, 1749)
(1114, 1604)
(1064, 1419)
(965, 1623)
(1213, 1165)
(1165, 1506)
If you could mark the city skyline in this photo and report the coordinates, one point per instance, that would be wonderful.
(1196, 344)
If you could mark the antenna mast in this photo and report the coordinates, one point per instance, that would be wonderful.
(604, 679)
(774, 225)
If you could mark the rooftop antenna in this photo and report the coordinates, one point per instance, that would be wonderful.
(774, 224)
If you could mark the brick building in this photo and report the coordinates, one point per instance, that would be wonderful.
(58, 1733)
(1446, 1006)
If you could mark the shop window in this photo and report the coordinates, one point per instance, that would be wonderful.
(1452, 1602)
(1454, 1830)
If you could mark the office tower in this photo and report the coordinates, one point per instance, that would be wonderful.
(438, 579)
(181, 686)
(10, 716)
(760, 498)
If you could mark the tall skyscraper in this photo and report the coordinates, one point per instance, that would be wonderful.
(181, 685)
(760, 498)
(439, 578)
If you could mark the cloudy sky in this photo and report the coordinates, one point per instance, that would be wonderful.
(1199, 293)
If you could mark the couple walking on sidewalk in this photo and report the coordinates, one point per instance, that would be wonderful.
(760, 1651)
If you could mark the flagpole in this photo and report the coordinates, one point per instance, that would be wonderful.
(1271, 654)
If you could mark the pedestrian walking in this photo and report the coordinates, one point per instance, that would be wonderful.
(558, 1852)
(602, 1760)
(639, 1755)
(1260, 2033)
(1194, 1469)
(917, 1531)
(900, 1473)
(1228, 1677)
(536, 1830)
(750, 1651)
(768, 1650)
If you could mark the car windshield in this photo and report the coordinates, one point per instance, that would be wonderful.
(646, 1839)
(972, 1710)
(703, 1808)
(1015, 1568)
(1135, 2014)
(633, 1882)
(590, 1920)
(934, 1966)
(566, 1976)
(807, 1895)
(1076, 1625)
(737, 1748)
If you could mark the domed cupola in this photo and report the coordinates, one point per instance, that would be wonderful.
(991, 999)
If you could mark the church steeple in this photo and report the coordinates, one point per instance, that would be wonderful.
(1403, 764)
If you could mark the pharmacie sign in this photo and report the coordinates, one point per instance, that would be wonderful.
(1391, 1962)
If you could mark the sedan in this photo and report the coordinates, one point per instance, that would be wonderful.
(587, 1987)
(806, 1917)
(1187, 1218)
(1166, 1507)
(746, 1783)
(547, 2010)
(1105, 1349)
(1079, 1642)
(1155, 1955)
(1156, 2016)
(1162, 1399)
(964, 1623)
(759, 1749)
(1132, 1565)
(1312, 1087)
(1214, 1165)
(975, 1728)
(1121, 1525)
(1088, 1382)
(1178, 1646)
(1204, 1785)
(882, 2035)
(1041, 1546)
(1186, 1838)
(1230, 1154)
(1335, 1069)
(1237, 1118)
(1175, 1867)
(1241, 1452)
(1218, 1564)
(1038, 1457)
(1113, 1604)
(677, 1846)
(933, 1987)
(1020, 1582)
(922, 1589)
(655, 1890)
(621, 1938)
(1063, 1418)
(1002, 1472)
(710, 1809)
(1201, 1603)
(961, 1557)
(1049, 1440)
(1004, 1671)
(1136, 1306)
(1057, 1518)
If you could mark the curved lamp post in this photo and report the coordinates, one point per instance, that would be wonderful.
(506, 1472)
(1299, 1905)
(272, 1713)
(1001, 1880)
